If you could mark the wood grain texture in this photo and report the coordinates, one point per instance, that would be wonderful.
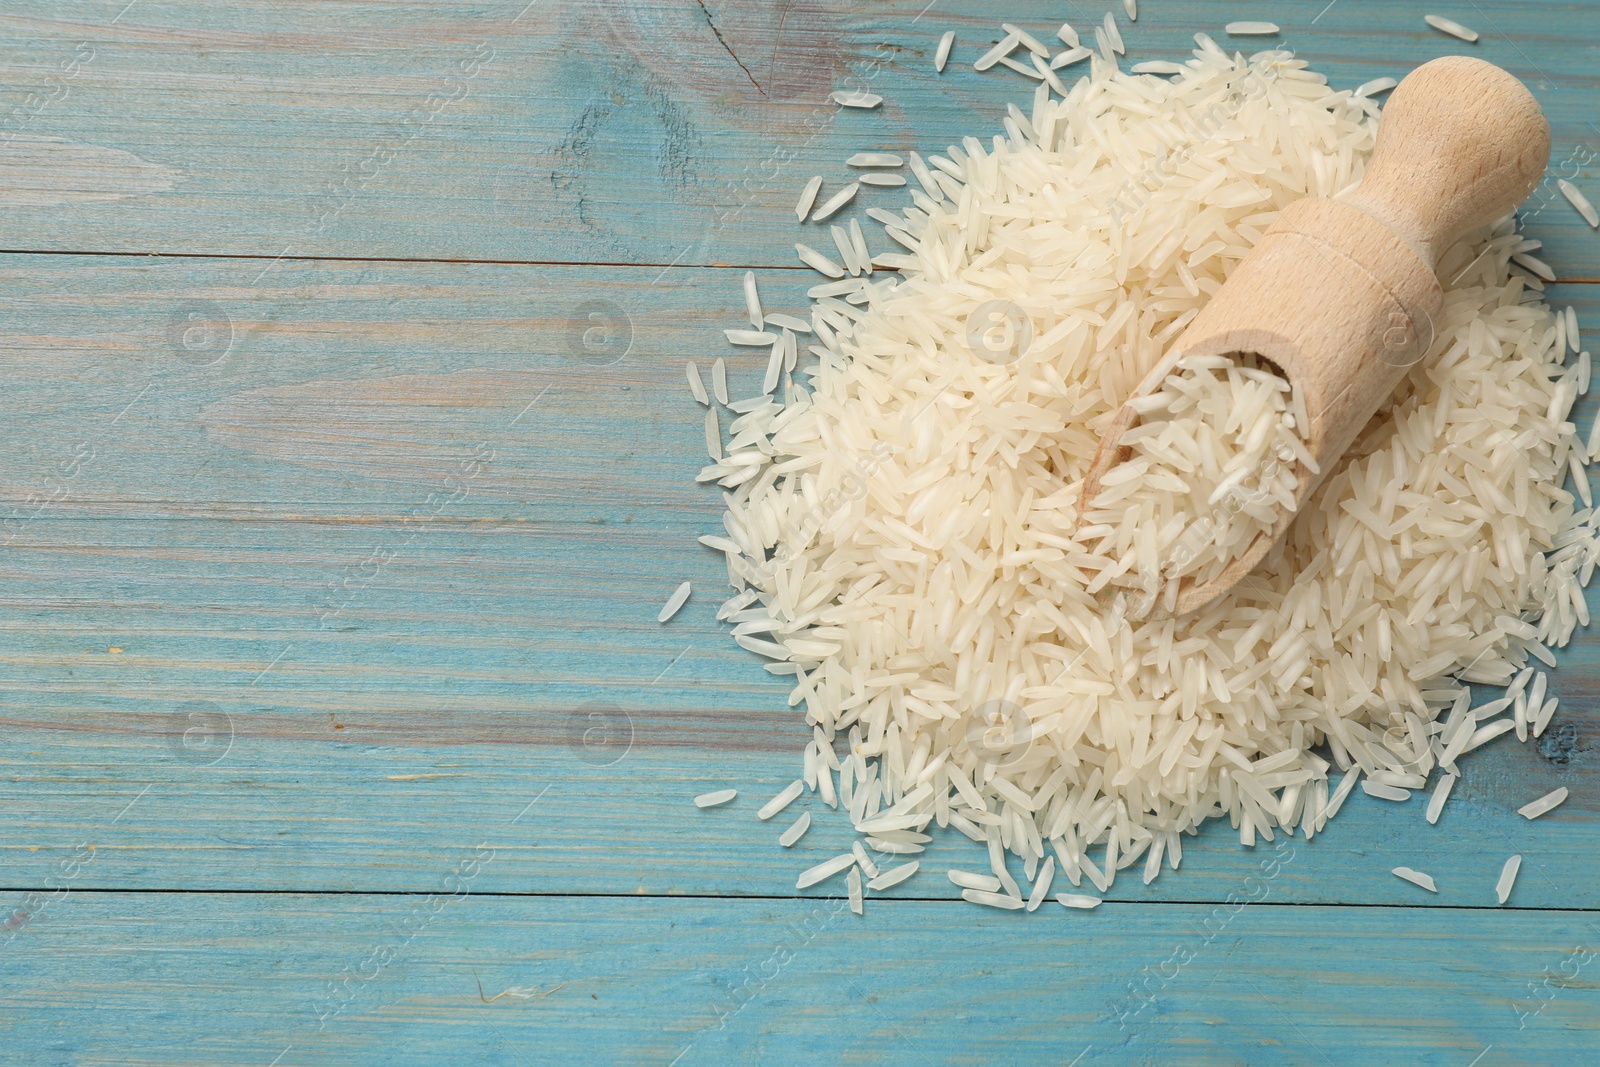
(115, 980)
(337, 649)
(648, 131)
(319, 579)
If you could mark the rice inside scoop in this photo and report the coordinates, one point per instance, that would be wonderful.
(1211, 464)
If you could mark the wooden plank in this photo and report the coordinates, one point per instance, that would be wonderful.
(281, 547)
(164, 388)
(660, 132)
(296, 981)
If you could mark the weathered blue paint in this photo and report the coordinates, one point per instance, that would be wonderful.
(340, 577)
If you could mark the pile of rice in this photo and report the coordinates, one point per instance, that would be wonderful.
(902, 529)
(1212, 461)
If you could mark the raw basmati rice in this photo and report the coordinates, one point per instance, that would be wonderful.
(1132, 8)
(719, 378)
(788, 322)
(853, 882)
(1416, 878)
(713, 799)
(1250, 29)
(713, 435)
(1113, 35)
(826, 869)
(1548, 802)
(1536, 266)
(882, 180)
(796, 830)
(1048, 75)
(1543, 720)
(874, 159)
(1026, 39)
(994, 55)
(1077, 900)
(852, 99)
(907, 514)
(752, 299)
(752, 338)
(987, 883)
(679, 596)
(993, 900)
(784, 798)
(1211, 463)
(894, 875)
(808, 196)
(1375, 86)
(1450, 26)
(818, 262)
(696, 387)
(1068, 35)
(1070, 56)
(1158, 66)
(835, 202)
(1028, 72)
(1508, 878)
(942, 55)
(1576, 198)
(1384, 792)
(1041, 884)
(1441, 793)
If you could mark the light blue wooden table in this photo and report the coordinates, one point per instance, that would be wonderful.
(346, 459)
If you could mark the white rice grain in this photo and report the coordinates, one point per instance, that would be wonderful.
(826, 869)
(678, 598)
(713, 435)
(1546, 803)
(894, 875)
(784, 798)
(1415, 878)
(1069, 57)
(1508, 878)
(1251, 29)
(696, 387)
(808, 196)
(907, 521)
(987, 883)
(836, 201)
(1450, 26)
(796, 830)
(993, 900)
(1576, 198)
(1374, 87)
(1113, 35)
(818, 262)
(719, 378)
(1041, 884)
(994, 55)
(1441, 793)
(713, 799)
(856, 99)
(942, 54)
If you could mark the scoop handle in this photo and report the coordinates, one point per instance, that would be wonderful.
(1461, 143)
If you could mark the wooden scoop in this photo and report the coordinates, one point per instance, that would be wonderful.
(1341, 294)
